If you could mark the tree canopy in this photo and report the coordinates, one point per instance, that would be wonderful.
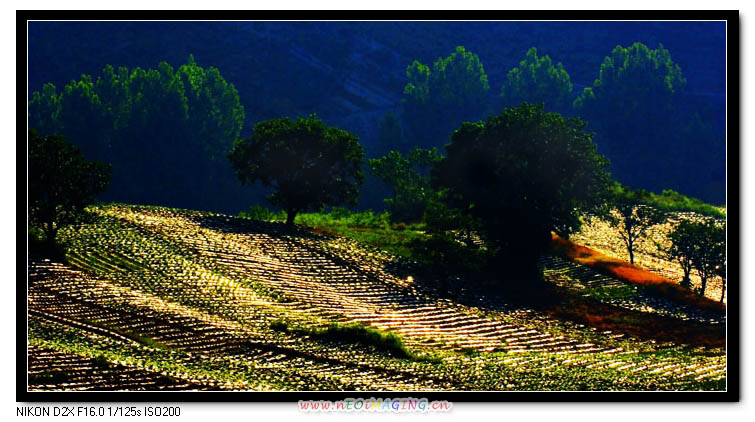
(684, 240)
(149, 123)
(61, 182)
(436, 100)
(523, 174)
(699, 245)
(536, 80)
(309, 165)
(635, 109)
(408, 177)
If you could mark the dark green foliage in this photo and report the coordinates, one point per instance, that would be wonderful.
(162, 129)
(308, 164)
(100, 362)
(537, 81)
(523, 174)
(699, 245)
(61, 182)
(440, 218)
(631, 214)
(386, 342)
(408, 177)
(436, 100)
(279, 325)
(654, 135)
(445, 255)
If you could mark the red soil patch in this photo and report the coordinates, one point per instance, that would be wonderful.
(631, 274)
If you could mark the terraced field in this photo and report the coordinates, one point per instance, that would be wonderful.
(154, 298)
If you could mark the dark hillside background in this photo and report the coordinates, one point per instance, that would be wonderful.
(351, 74)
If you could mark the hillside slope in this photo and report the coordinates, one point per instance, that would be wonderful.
(200, 300)
(352, 73)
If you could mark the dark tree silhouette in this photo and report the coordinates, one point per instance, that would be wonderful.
(308, 164)
(61, 182)
(523, 173)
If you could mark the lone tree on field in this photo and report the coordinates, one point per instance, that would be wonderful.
(631, 215)
(684, 240)
(308, 164)
(523, 174)
(61, 182)
(710, 251)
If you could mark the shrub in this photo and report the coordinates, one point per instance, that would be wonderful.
(387, 342)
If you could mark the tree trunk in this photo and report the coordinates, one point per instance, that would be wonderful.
(630, 246)
(290, 217)
(704, 283)
(723, 289)
(50, 233)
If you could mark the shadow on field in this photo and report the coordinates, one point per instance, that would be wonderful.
(238, 225)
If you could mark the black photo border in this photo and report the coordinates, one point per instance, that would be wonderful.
(732, 394)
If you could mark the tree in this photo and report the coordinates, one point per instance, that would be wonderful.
(631, 215)
(700, 245)
(61, 182)
(710, 251)
(165, 130)
(636, 111)
(308, 164)
(408, 177)
(684, 240)
(537, 81)
(437, 100)
(523, 174)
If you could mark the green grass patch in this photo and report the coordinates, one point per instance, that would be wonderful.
(373, 229)
(671, 201)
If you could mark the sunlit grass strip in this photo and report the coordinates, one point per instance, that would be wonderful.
(631, 274)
